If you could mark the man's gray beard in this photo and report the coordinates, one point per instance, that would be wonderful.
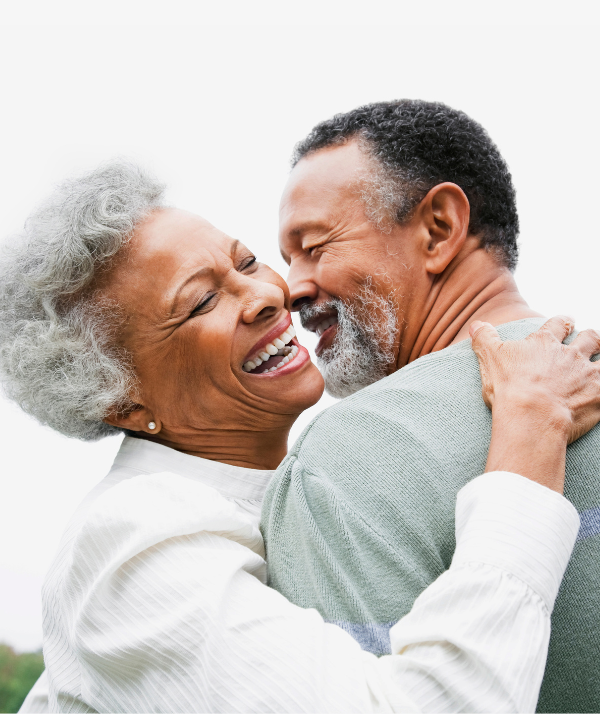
(363, 349)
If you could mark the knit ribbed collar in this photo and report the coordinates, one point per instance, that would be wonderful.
(231, 481)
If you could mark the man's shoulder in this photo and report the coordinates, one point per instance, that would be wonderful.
(411, 421)
(410, 393)
(454, 368)
(404, 398)
(426, 421)
(425, 417)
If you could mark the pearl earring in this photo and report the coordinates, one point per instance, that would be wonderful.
(151, 426)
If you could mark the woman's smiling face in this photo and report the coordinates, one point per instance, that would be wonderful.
(208, 330)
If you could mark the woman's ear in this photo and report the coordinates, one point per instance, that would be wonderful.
(445, 210)
(137, 419)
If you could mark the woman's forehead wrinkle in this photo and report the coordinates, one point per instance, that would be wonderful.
(215, 262)
(172, 256)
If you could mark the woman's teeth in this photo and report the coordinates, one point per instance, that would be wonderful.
(322, 326)
(280, 347)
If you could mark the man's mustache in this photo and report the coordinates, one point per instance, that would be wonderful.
(308, 313)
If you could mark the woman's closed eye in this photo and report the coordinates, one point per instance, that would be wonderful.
(207, 303)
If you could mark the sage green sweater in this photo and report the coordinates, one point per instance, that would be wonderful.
(359, 518)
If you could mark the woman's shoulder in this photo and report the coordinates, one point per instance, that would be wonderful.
(163, 503)
(141, 513)
(144, 559)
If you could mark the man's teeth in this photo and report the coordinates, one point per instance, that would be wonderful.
(322, 326)
(279, 346)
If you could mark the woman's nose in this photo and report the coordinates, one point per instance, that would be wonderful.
(266, 300)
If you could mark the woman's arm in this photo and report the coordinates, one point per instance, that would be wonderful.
(184, 623)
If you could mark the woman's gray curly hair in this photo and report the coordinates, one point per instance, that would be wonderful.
(58, 360)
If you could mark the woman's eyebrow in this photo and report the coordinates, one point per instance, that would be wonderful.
(200, 273)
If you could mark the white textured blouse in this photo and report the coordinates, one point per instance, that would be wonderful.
(157, 602)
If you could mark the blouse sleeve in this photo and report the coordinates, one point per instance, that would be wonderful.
(184, 622)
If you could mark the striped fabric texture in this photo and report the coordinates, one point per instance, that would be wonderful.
(157, 602)
(359, 519)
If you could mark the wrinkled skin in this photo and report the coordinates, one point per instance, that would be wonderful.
(543, 394)
(434, 269)
(189, 329)
(441, 281)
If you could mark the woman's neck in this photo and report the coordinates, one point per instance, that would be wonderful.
(263, 450)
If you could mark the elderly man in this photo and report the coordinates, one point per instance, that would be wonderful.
(399, 225)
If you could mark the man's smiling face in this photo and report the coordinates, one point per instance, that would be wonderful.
(352, 282)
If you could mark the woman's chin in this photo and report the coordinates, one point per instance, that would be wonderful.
(291, 389)
(310, 389)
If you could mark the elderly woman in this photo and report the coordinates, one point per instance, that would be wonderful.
(119, 315)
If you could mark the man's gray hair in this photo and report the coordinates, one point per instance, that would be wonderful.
(58, 358)
(416, 145)
(362, 352)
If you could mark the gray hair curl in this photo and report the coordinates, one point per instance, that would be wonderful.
(58, 359)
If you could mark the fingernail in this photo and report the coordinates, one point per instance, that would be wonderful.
(474, 327)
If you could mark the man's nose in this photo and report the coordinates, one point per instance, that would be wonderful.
(303, 289)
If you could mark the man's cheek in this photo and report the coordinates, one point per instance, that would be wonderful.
(339, 278)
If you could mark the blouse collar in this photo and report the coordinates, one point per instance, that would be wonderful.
(231, 481)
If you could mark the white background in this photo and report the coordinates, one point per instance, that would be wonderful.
(214, 109)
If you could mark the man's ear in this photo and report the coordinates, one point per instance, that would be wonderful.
(139, 418)
(445, 213)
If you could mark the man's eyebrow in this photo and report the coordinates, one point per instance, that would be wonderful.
(306, 227)
(234, 247)
(301, 229)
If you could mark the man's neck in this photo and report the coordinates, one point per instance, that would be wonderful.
(476, 287)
